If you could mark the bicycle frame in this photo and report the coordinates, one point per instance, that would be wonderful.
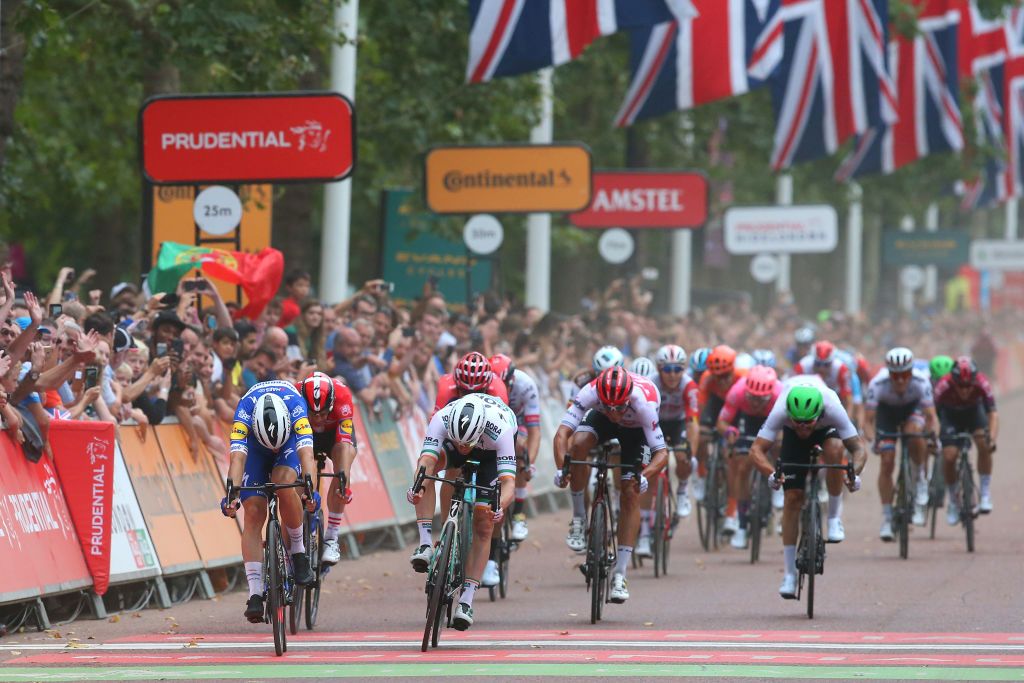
(903, 499)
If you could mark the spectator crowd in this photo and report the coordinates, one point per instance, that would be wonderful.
(128, 358)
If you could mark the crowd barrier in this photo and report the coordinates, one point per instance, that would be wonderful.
(127, 505)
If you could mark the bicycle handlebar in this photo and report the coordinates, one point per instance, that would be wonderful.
(270, 488)
(816, 451)
(904, 435)
(421, 476)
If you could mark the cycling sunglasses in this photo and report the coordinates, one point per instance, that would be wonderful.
(615, 409)
(803, 423)
(901, 375)
(672, 368)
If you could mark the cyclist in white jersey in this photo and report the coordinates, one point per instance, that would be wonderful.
(679, 412)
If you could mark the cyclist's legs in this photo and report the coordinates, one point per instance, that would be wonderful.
(425, 508)
(885, 470)
(479, 550)
(255, 516)
(918, 448)
(949, 425)
(288, 500)
(984, 452)
(579, 449)
(632, 442)
(832, 454)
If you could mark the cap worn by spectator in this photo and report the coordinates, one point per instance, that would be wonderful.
(23, 322)
(122, 340)
(121, 288)
(168, 317)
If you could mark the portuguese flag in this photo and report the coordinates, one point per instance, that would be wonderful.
(258, 274)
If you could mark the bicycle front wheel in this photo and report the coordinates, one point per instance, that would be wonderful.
(277, 562)
(811, 534)
(504, 555)
(967, 501)
(904, 493)
(437, 585)
(312, 593)
(658, 531)
(595, 561)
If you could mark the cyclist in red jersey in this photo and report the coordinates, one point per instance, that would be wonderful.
(714, 386)
(823, 362)
(330, 415)
(965, 403)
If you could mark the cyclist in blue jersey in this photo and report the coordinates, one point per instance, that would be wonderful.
(271, 439)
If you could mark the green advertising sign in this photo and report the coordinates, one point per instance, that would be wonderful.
(392, 460)
(412, 252)
(946, 248)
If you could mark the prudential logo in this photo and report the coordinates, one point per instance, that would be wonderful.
(309, 136)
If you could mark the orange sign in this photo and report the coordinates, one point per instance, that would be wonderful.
(508, 179)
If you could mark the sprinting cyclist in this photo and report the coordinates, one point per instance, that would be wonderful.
(699, 363)
(939, 367)
(329, 406)
(679, 413)
(616, 405)
(899, 400)
(765, 357)
(481, 428)
(714, 387)
(824, 362)
(747, 406)
(965, 403)
(808, 414)
(802, 340)
(604, 358)
(270, 441)
(644, 367)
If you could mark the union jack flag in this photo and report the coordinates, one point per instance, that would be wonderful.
(981, 42)
(509, 37)
(989, 187)
(1012, 176)
(680, 64)
(925, 68)
(831, 80)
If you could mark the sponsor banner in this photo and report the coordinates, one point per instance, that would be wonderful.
(942, 248)
(508, 178)
(996, 254)
(371, 506)
(645, 199)
(199, 490)
(300, 137)
(392, 460)
(132, 555)
(413, 427)
(84, 455)
(159, 502)
(39, 549)
(781, 229)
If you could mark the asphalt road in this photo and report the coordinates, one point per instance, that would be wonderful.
(713, 605)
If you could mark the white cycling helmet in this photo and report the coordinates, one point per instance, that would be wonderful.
(765, 357)
(899, 359)
(467, 420)
(644, 367)
(744, 361)
(805, 335)
(271, 422)
(608, 357)
(670, 354)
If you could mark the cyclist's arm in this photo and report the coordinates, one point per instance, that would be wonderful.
(430, 451)
(869, 424)
(239, 450)
(930, 420)
(342, 455)
(993, 425)
(759, 455)
(693, 434)
(532, 444)
(858, 453)
(505, 452)
(561, 443)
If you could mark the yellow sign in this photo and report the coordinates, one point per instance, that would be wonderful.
(508, 179)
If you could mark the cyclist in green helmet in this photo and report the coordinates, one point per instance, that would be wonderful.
(940, 366)
(807, 414)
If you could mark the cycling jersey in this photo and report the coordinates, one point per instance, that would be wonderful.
(738, 402)
(524, 400)
(856, 387)
(497, 445)
(339, 424)
(947, 396)
(641, 409)
(711, 386)
(882, 392)
(448, 391)
(683, 401)
(836, 375)
(833, 417)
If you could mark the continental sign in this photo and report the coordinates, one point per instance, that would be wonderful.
(508, 179)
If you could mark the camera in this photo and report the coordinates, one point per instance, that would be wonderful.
(195, 285)
(161, 349)
(177, 347)
(92, 375)
(56, 310)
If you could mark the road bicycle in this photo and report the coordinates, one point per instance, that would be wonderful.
(278, 580)
(968, 489)
(601, 531)
(759, 511)
(665, 520)
(810, 549)
(447, 570)
(502, 547)
(307, 598)
(711, 510)
(903, 500)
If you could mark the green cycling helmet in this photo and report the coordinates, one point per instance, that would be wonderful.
(804, 403)
(940, 366)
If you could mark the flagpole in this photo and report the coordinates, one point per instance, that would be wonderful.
(783, 197)
(931, 273)
(854, 249)
(334, 243)
(1011, 219)
(538, 225)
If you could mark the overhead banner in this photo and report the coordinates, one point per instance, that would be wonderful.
(84, 455)
(508, 179)
(645, 199)
(810, 229)
(945, 248)
(271, 138)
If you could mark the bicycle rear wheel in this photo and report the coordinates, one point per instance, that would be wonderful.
(278, 564)
(312, 592)
(967, 501)
(437, 583)
(810, 536)
(595, 561)
(906, 505)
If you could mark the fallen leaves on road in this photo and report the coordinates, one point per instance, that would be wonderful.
(114, 619)
(53, 633)
(564, 633)
(648, 623)
(136, 615)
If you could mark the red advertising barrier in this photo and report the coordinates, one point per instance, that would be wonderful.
(39, 550)
(371, 506)
(84, 455)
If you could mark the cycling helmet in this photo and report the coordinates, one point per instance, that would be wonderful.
(824, 352)
(503, 367)
(964, 371)
(899, 359)
(804, 403)
(607, 357)
(940, 366)
(318, 390)
(271, 422)
(670, 354)
(699, 359)
(764, 357)
(473, 372)
(643, 366)
(761, 381)
(614, 385)
(804, 335)
(467, 420)
(721, 360)
(744, 361)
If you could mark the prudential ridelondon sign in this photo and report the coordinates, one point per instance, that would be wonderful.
(810, 229)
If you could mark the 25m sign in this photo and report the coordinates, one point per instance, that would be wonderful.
(645, 199)
(277, 137)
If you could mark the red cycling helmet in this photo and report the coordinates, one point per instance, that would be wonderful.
(964, 371)
(824, 353)
(761, 381)
(318, 390)
(503, 367)
(614, 386)
(721, 360)
(472, 372)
